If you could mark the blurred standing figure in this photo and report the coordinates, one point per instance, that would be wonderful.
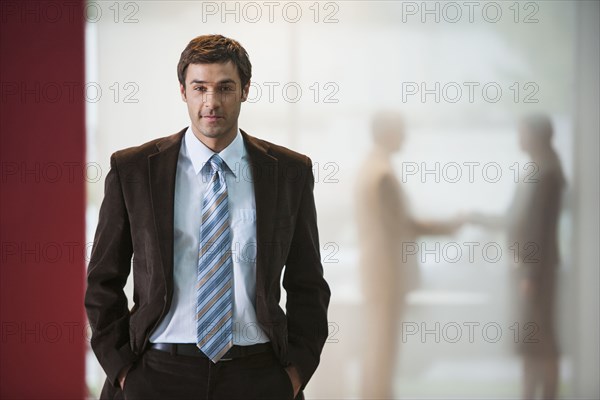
(532, 229)
(384, 225)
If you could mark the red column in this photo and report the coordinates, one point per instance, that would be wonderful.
(42, 200)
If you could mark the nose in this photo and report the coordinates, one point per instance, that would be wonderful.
(211, 99)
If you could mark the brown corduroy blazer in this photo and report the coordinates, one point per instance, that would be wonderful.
(136, 222)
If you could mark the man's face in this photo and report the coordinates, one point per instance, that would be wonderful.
(524, 139)
(391, 132)
(213, 93)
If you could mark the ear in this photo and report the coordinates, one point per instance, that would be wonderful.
(182, 91)
(245, 91)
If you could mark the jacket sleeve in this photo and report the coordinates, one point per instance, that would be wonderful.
(535, 247)
(306, 289)
(109, 267)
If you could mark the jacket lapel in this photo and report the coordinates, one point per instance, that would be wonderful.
(162, 167)
(264, 175)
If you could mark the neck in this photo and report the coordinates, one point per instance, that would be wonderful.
(216, 144)
(541, 153)
(384, 151)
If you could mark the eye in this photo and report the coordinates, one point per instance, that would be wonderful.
(227, 88)
(200, 88)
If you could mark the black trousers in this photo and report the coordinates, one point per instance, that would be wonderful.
(160, 375)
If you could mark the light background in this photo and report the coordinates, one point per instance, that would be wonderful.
(364, 59)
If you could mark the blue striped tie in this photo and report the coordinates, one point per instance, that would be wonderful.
(214, 310)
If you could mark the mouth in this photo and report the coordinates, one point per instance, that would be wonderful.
(211, 118)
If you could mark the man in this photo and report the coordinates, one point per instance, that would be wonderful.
(211, 217)
(386, 227)
(532, 226)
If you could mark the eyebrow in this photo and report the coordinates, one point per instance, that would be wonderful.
(218, 83)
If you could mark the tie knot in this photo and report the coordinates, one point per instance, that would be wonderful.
(216, 163)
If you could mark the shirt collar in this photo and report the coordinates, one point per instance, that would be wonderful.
(200, 154)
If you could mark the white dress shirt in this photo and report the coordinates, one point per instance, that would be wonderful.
(179, 325)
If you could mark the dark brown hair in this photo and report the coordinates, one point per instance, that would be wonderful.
(209, 49)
